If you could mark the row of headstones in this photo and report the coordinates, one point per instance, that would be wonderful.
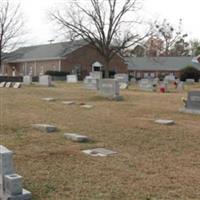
(152, 84)
(109, 88)
(46, 80)
(10, 182)
(10, 84)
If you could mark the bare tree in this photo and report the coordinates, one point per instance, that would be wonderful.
(171, 37)
(104, 24)
(11, 24)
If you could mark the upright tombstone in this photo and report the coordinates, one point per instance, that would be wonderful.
(133, 81)
(193, 103)
(169, 78)
(109, 88)
(96, 75)
(146, 85)
(27, 80)
(72, 78)
(91, 83)
(122, 78)
(190, 81)
(10, 182)
(45, 80)
(180, 86)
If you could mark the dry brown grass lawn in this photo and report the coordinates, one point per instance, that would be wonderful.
(153, 161)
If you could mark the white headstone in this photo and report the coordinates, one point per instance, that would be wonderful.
(8, 85)
(27, 80)
(122, 78)
(72, 79)
(96, 75)
(2, 84)
(190, 81)
(146, 85)
(45, 80)
(17, 85)
(91, 83)
(109, 88)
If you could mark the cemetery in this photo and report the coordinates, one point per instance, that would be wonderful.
(134, 152)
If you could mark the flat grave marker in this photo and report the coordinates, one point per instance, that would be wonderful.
(76, 137)
(8, 85)
(165, 122)
(102, 152)
(45, 127)
(69, 102)
(49, 99)
(87, 106)
(17, 85)
(2, 84)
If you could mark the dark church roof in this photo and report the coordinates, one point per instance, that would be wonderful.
(161, 63)
(44, 52)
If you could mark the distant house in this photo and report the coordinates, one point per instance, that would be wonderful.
(143, 67)
(73, 57)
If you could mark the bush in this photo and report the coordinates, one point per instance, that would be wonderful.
(56, 73)
(190, 72)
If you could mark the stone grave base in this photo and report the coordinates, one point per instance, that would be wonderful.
(115, 98)
(26, 195)
(189, 111)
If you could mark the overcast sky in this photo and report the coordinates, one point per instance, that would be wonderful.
(41, 30)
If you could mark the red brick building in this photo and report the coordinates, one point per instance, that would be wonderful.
(72, 57)
(151, 67)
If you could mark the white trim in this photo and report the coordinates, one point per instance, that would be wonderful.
(35, 66)
(59, 65)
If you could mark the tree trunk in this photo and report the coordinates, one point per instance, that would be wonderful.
(106, 69)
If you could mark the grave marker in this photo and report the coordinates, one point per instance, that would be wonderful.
(72, 79)
(8, 85)
(27, 80)
(76, 137)
(10, 182)
(49, 99)
(192, 103)
(146, 85)
(45, 80)
(91, 83)
(102, 152)
(96, 75)
(2, 84)
(109, 88)
(17, 85)
(45, 127)
(165, 122)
